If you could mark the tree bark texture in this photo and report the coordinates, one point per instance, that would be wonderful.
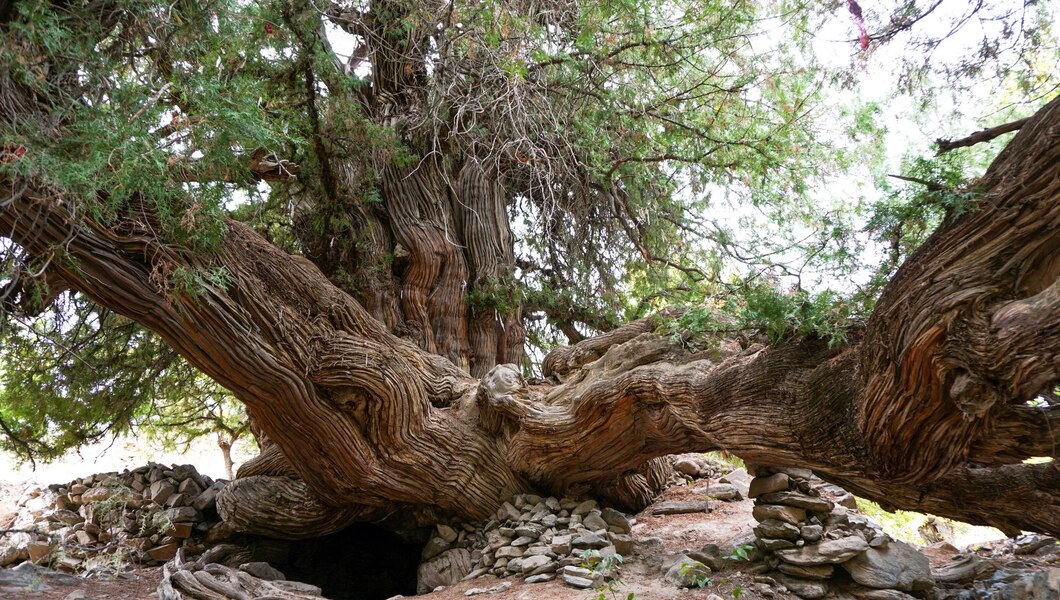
(926, 409)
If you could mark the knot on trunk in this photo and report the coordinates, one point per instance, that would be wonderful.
(501, 400)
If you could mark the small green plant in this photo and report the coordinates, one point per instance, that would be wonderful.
(740, 553)
(694, 572)
(154, 521)
(604, 565)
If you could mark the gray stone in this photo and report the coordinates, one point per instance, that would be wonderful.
(827, 552)
(811, 533)
(207, 499)
(522, 541)
(593, 521)
(189, 487)
(623, 543)
(182, 514)
(66, 516)
(561, 544)
(771, 544)
(616, 521)
(764, 485)
(894, 566)
(774, 529)
(797, 500)
(494, 589)
(447, 533)
(584, 508)
(509, 552)
(810, 590)
(543, 577)
(434, 547)
(507, 512)
(679, 508)
(160, 491)
(475, 574)
(531, 530)
(808, 571)
(578, 582)
(534, 563)
(687, 466)
(847, 500)
(588, 541)
(723, 491)
(788, 514)
(687, 572)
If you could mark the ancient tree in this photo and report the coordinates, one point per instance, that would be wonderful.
(377, 361)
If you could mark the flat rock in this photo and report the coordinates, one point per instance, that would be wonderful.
(164, 552)
(588, 541)
(182, 514)
(968, 568)
(797, 500)
(680, 508)
(895, 566)
(764, 485)
(616, 521)
(772, 544)
(578, 582)
(543, 577)
(583, 508)
(788, 514)
(533, 563)
(723, 491)
(777, 530)
(807, 572)
(803, 588)
(623, 543)
(434, 547)
(827, 552)
(447, 533)
(740, 479)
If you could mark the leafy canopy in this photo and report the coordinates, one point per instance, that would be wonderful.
(654, 153)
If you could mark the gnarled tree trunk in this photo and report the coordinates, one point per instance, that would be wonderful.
(926, 409)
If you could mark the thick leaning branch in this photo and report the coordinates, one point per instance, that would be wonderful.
(964, 336)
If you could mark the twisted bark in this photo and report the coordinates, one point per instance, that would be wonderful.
(927, 409)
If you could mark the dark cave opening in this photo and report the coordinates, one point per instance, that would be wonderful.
(362, 562)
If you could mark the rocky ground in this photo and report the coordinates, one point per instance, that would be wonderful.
(704, 537)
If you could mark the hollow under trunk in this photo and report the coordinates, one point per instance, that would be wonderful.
(925, 409)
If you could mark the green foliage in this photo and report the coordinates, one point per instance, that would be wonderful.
(759, 308)
(76, 375)
(607, 567)
(653, 153)
(901, 524)
(740, 553)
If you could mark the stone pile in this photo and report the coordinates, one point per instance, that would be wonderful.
(101, 521)
(532, 537)
(817, 548)
(1026, 567)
